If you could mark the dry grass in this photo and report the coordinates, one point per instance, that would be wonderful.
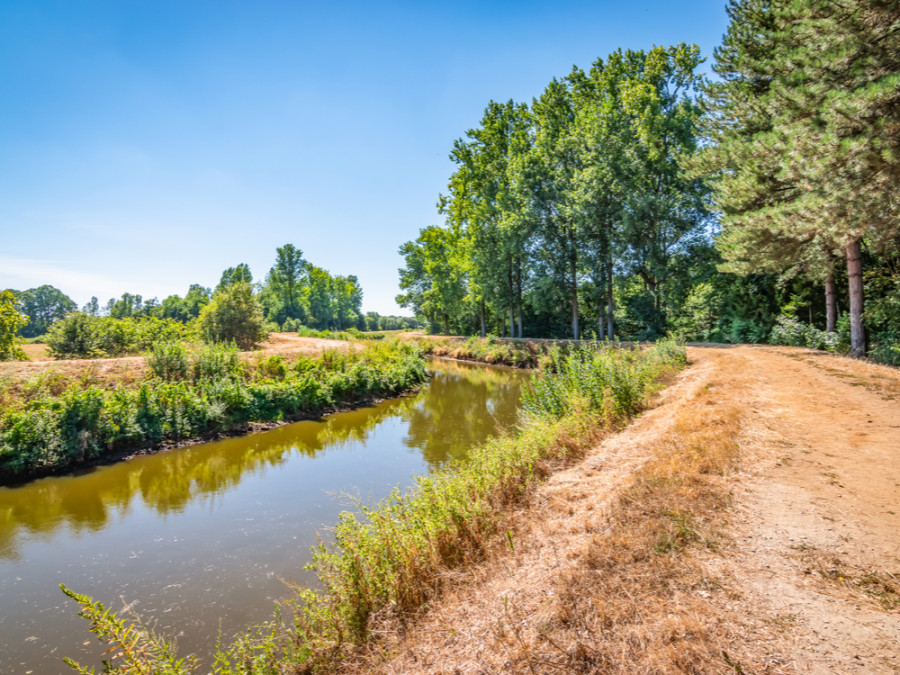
(638, 601)
(616, 564)
(16, 377)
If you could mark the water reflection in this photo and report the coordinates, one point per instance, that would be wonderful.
(462, 405)
(199, 538)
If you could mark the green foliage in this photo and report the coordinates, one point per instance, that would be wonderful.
(550, 202)
(11, 320)
(600, 379)
(57, 426)
(43, 305)
(133, 649)
(489, 349)
(81, 335)
(233, 315)
(789, 331)
(168, 360)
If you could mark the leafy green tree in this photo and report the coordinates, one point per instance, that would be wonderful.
(235, 275)
(233, 315)
(43, 305)
(433, 280)
(92, 308)
(286, 278)
(11, 321)
(488, 212)
(128, 305)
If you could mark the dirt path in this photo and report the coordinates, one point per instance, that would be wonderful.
(819, 524)
(803, 578)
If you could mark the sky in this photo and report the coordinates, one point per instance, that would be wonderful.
(146, 146)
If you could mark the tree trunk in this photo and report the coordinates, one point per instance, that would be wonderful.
(519, 292)
(481, 316)
(830, 304)
(609, 300)
(854, 277)
(574, 301)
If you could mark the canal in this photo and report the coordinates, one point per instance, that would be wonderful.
(203, 539)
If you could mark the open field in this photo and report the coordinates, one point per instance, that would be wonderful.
(131, 368)
(749, 522)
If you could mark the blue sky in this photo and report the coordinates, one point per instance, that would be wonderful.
(145, 146)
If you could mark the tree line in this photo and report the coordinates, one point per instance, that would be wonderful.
(636, 198)
(294, 294)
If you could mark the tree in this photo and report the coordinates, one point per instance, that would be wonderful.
(486, 211)
(11, 321)
(805, 132)
(434, 278)
(92, 308)
(286, 277)
(234, 275)
(233, 315)
(43, 305)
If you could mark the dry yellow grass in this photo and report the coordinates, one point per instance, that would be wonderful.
(57, 375)
(607, 568)
(703, 538)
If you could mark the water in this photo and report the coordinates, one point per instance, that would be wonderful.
(204, 538)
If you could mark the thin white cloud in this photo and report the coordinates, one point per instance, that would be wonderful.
(22, 273)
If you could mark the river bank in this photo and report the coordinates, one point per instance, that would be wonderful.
(747, 522)
(47, 427)
(397, 559)
(198, 540)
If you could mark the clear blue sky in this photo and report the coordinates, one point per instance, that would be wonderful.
(145, 146)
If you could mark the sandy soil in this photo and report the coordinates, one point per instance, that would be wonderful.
(806, 578)
(130, 368)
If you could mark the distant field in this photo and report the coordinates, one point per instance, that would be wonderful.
(130, 368)
(36, 352)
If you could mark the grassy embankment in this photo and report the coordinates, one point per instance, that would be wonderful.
(389, 565)
(524, 354)
(50, 423)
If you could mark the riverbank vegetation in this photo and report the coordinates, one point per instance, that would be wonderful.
(388, 564)
(48, 424)
(484, 350)
(598, 206)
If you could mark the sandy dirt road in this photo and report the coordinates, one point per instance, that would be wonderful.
(805, 577)
(819, 514)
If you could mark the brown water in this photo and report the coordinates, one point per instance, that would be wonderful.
(203, 537)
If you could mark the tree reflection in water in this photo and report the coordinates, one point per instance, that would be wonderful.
(461, 406)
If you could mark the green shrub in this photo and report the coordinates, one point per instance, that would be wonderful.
(216, 362)
(233, 316)
(80, 335)
(169, 360)
(791, 332)
(61, 424)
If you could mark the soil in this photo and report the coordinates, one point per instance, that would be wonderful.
(805, 579)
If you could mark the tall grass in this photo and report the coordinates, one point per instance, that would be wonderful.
(189, 395)
(389, 561)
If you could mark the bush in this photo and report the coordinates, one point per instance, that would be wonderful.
(233, 315)
(793, 333)
(79, 335)
(169, 360)
(11, 320)
(60, 424)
